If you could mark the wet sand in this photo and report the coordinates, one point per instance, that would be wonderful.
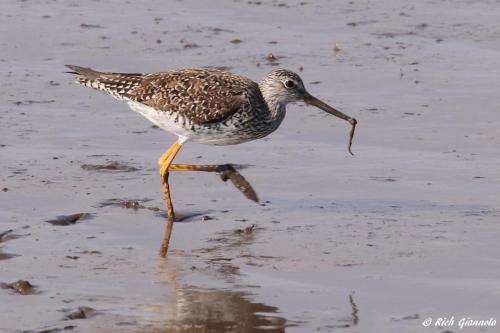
(404, 230)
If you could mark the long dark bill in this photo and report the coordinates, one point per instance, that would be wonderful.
(311, 100)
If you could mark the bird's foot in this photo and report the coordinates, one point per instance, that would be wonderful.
(228, 172)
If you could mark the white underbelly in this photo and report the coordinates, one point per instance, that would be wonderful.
(212, 134)
(161, 119)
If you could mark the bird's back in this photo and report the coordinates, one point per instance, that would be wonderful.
(203, 96)
(207, 105)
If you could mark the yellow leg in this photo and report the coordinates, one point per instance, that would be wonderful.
(164, 162)
(226, 171)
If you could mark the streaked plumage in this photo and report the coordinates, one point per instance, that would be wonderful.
(202, 105)
(207, 106)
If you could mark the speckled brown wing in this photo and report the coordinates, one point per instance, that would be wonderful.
(203, 96)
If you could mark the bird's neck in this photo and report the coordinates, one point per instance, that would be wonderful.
(276, 111)
(276, 107)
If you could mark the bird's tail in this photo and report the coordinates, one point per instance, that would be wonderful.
(84, 75)
(118, 85)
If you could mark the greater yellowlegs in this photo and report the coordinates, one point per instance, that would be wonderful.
(207, 106)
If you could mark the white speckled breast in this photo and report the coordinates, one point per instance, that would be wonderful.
(237, 129)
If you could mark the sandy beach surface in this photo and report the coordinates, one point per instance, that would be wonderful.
(405, 230)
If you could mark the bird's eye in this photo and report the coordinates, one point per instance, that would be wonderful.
(289, 84)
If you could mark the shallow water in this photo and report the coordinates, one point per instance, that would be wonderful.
(404, 230)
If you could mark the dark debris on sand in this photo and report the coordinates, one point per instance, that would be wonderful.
(83, 312)
(111, 166)
(65, 220)
(21, 287)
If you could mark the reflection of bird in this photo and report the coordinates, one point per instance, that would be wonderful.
(212, 310)
(206, 106)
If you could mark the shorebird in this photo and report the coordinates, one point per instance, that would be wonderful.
(206, 106)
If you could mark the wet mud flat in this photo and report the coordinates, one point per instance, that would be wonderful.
(405, 230)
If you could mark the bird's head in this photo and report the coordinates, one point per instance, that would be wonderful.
(283, 86)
